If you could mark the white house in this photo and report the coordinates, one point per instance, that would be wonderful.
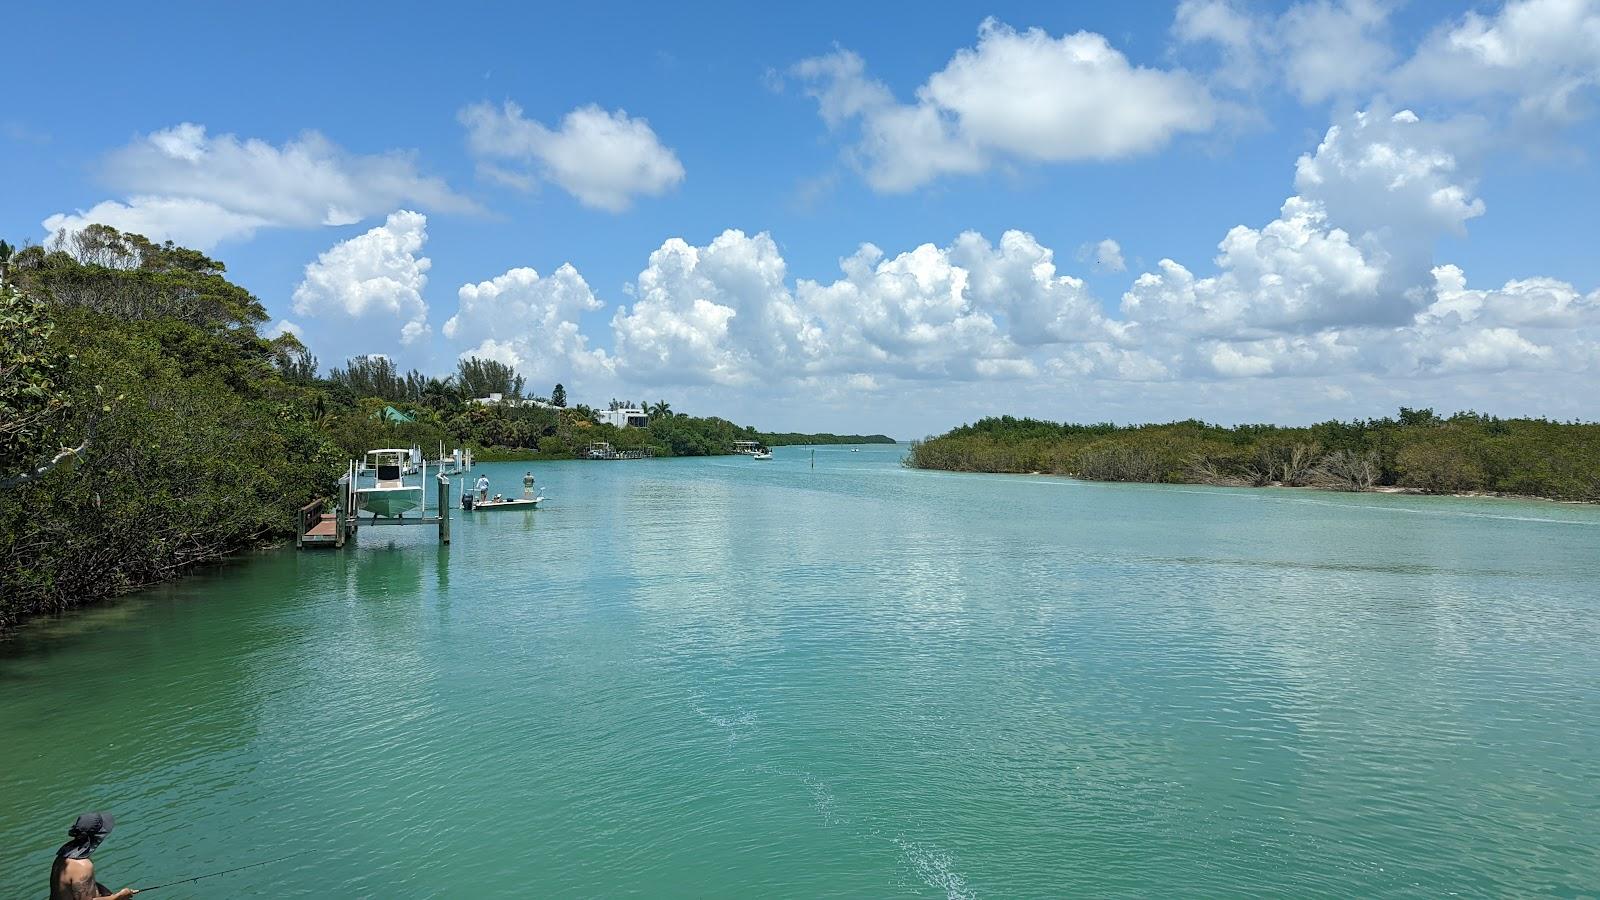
(498, 399)
(627, 417)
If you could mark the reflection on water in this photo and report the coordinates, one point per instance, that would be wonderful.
(729, 678)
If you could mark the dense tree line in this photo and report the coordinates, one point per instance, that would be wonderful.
(1417, 449)
(149, 427)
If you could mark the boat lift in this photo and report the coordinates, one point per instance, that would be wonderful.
(317, 526)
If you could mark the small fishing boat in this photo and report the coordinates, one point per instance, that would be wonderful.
(530, 498)
(763, 453)
(470, 503)
(389, 494)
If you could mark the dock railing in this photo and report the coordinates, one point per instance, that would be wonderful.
(307, 518)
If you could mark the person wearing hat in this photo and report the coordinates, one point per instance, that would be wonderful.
(72, 874)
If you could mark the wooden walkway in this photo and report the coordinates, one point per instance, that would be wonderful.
(322, 531)
(318, 526)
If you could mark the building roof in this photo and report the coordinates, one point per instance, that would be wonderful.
(390, 414)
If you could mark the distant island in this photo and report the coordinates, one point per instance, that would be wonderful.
(148, 426)
(773, 439)
(1417, 451)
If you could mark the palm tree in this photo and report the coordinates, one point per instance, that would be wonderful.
(441, 393)
(659, 410)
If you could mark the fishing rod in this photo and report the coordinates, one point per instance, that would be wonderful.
(223, 872)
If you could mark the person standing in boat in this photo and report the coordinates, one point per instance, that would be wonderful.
(72, 874)
(527, 486)
(483, 488)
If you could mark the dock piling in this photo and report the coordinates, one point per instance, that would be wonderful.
(345, 511)
(444, 509)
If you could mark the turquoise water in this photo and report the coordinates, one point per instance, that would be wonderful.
(735, 678)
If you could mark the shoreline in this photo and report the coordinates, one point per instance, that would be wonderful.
(1389, 489)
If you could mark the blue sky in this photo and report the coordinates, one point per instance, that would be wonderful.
(1158, 127)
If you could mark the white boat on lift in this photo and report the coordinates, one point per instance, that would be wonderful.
(389, 494)
(410, 466)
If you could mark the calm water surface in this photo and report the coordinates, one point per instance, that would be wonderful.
(736, 678)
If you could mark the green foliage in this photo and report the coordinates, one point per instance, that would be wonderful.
(197, 446)
(130, 278)
(481, 377)
(293, 362)
(558, 396)
(370, 376)
(675, 435)
(33, 401)
(1416, 450)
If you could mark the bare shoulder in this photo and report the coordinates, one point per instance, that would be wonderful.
(74, 879)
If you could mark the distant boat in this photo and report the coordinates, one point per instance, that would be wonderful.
(855, 449)
(389, 495)
(761, 454)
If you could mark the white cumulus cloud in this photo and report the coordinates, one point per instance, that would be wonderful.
(528, 322)
(1354, 247)
(910, 315)
(1233, 30)
(1317, 50)
(1103, 256)
(1334, 49)
(1016, 95)
(1542, 55)
(605, 159)
(721, 313)
(725, 313)
(366, 292)
(1526, 63)
(200, 224)
(198, 189)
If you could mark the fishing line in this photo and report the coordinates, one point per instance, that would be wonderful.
(223, 872)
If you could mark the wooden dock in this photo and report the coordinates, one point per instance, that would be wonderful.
(319, 526)
(604, 450)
